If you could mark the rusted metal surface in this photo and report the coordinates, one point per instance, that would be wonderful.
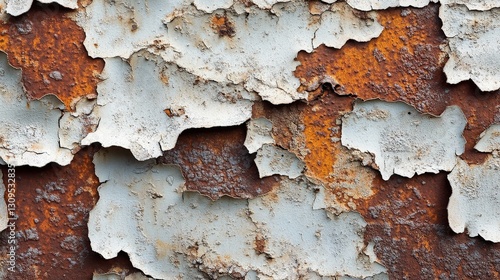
(189, 65)
(48, 47)
(215, 163)
(53, 205)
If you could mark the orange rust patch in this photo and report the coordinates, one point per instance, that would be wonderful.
(48, 47)
(53, 204)
(215, 163)
(223, 26)
(403, 63)
(407, 221)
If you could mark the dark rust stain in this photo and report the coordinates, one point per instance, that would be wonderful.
(48, 47)
(215, 163)
(53, 204)
(223, 26)
(404, 64)
(407, 220)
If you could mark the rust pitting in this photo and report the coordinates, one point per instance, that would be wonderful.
(48, 47)
(223, 25)
(407, 221)
(52, 204)
(215, 163)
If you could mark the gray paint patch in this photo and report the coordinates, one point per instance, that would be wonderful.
(19, 7)
(145, 106)
(29, 130)
(272, 160)
(368, 5)
(475, 201)
(258, 133)
(221, 46)
(4, 217)
(169, 234)
(402, 140)
(473, 45)
(490, 140)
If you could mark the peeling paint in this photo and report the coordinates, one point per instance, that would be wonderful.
(473, 42)
(135, 100)
(272, 160)
(475, 203)
(48, 47)
(215, 164)
(489, 140)
(19, 7)
(141, 212)
(368, 5)
(403, 141)
(4, 218)
(191, 42)
(29, 134)
(478, 5)
(258, 134)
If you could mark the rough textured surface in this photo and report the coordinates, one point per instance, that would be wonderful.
(18, 7)
(48, 47)
(475, 203)
(473, 42)
(406, 226)
(52, 206)
(258, 133)
(29, 131)
(160, 102)
(401, 140)
(368, 5)
(4, 219)
(207, 44)
(272, 160)
(187, 234)
(215, 163)
(490, 139)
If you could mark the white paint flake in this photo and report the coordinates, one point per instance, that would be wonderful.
(209, 6)
(473, 45)
(368, 5)
(145, 106)
(475, 200)
(402, 140)
(169, 234)
(490, 140)
(19, 7)
(268, 4)
(74, 126)
(29, 130)
(272, 160)
(220, 46)
(340, 24)
(4, 217)
(313, 240)
(478, 5)
(258, 133)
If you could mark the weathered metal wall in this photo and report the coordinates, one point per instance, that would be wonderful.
(290, 139)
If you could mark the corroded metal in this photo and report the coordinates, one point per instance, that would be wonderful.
(48, 47)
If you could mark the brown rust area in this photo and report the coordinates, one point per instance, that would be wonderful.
(53, 205)
(405, 63)
(407, 221)
(48, 47)
(222, 25)
(215, 163)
